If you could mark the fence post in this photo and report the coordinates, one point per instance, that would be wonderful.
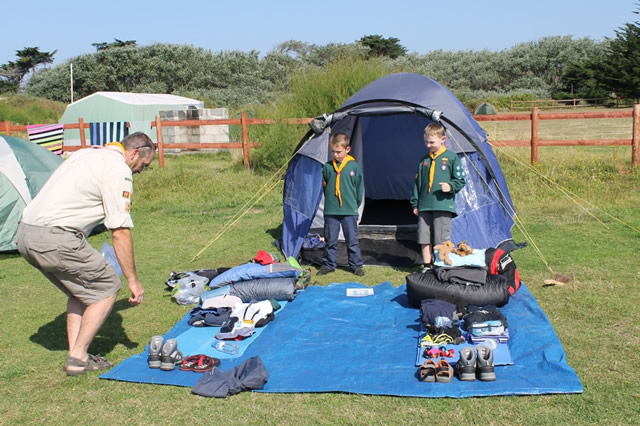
(160, 141)
(636, 135)
(534, 135)
(245, 139)
(83, 137)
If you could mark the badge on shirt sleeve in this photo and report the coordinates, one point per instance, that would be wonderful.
(126, 194)
(352, 173)
(444, 163)
(127, 206)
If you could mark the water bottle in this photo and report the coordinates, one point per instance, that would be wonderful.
(226, 347)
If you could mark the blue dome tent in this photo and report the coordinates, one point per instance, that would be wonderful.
(385, 122)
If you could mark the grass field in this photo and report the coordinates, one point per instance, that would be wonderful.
(591, 231)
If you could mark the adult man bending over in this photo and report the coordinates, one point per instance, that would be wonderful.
(92, 186)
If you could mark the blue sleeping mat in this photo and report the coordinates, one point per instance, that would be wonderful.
(325, 341)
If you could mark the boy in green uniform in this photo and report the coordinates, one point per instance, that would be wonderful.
(440, 176)
(343, 191)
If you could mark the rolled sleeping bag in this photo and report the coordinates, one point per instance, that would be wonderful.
(427, 286)
(280, 288)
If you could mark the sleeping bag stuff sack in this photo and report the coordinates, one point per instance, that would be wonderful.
(427, 286)
(279, 288)
(500, 262)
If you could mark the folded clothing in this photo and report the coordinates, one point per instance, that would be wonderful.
(249, 375)
(430, 309)
(212, 317)
(484, 314)
(466, 275)
(501, 338)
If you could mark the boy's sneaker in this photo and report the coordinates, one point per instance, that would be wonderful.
(324, 271)
(155, 348)
(426, 268)
(358, 271)
(170, 355)
(466, 365)
(484, 364)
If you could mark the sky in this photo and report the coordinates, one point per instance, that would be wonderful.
(70, 26)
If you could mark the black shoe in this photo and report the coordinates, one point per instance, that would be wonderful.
(324, 271)
(358, 271)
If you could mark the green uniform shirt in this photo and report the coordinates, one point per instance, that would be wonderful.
(351, 189)
(448, 169)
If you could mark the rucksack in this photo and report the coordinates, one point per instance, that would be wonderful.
(499, 262)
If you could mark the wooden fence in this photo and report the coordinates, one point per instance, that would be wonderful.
(567, 103)
(535, 142)
(244, 122)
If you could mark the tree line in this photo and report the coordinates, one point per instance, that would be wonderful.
(553, 67)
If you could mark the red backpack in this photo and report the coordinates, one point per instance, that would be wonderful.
(500, 262)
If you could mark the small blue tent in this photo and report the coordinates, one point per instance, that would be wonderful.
(385, 122)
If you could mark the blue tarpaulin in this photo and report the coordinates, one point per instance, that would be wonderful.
(325, 341)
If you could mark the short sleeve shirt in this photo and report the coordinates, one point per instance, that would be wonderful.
(91, 186)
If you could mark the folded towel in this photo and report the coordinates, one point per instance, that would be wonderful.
(111, 131)
(49, 136)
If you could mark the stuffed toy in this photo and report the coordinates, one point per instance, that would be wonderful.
(463, 249)
(443, 251)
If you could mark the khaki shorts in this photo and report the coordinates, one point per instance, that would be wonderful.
(68, 261)
(434, 227)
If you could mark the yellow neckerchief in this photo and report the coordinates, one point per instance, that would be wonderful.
(117, 147)
(338, 170)
(432, 167)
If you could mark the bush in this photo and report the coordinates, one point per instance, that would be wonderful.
(502, 101)
(313, 91)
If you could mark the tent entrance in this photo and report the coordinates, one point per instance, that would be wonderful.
(387, 219)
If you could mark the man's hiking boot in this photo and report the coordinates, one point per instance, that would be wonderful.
(358, 271)
(484, 364)
(324, 270)
(155, 348)
(466, 365)
(170, 355)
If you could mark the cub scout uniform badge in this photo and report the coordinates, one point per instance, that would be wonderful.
(444, 164)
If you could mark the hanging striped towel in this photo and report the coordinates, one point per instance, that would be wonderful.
(112, 131)
(48, 136)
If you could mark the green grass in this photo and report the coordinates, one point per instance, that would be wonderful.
(20, 109)
(181, 208)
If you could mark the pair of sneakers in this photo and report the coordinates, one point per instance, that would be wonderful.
(478, 362)
(164, 355)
